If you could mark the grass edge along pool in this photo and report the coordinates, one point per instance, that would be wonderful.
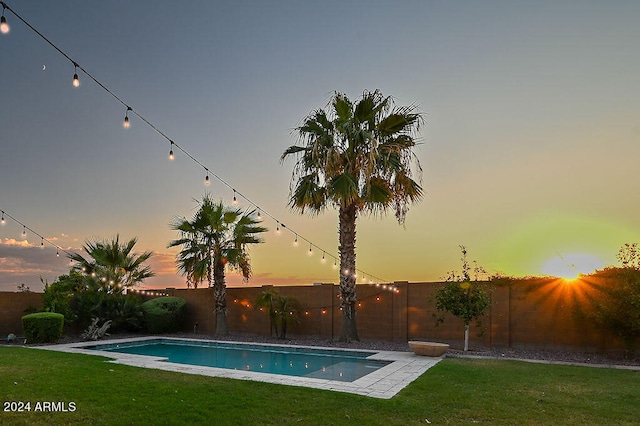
(318, 363)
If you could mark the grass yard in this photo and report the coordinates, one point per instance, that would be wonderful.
(456, 391)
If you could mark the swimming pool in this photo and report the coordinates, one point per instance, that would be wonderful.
(340, 365)
(385, 382)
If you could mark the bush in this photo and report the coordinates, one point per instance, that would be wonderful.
(58, 295)
(43, 327)
(164, 314)
(96, 300)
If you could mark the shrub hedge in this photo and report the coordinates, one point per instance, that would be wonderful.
(43, 327)
(164, 314)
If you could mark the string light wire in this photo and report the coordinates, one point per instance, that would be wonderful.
(26, 228)
(208, 172)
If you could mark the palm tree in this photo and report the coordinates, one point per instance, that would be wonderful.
(115, 265)
(268, 299)
(287, 313)
(216, 236)
(359, 159)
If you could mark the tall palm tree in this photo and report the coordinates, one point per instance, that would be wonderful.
(359, 159)
(216, 236)
(115, 265)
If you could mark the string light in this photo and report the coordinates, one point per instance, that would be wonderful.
(76, 83)
(323, 260)
(295, 242)
(126, 118)
(76, 80)
(24, 232)
(4, 26)
(310, 251)
(259, 215)
(235, 200)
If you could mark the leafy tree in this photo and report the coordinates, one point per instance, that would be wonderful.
(356, 157)
(617, 307)
(629, 256)
(58, 296)
(216, 236)
(462, 297)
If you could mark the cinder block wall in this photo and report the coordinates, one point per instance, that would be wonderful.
(544, 314)
(12, 309)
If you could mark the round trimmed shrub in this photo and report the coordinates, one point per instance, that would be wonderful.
(43, 327)
(164, 314)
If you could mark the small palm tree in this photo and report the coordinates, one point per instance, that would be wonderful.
(216, 236)
(287, 313)
(358, 158)
(282, 310)
(115, 265)
(111, 268)
(268, 299)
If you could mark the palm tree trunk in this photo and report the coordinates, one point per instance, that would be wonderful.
(220, 295)
(347, 238)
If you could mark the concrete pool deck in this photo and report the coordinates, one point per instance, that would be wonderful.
(383, 383)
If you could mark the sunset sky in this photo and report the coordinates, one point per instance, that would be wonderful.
(530, 145)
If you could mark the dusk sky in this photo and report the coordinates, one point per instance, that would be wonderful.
(530, 145)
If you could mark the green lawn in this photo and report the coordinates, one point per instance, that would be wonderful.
(456, 391)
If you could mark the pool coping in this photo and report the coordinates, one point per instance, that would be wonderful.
(383, 383)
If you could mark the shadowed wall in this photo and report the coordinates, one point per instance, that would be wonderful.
(546, 314)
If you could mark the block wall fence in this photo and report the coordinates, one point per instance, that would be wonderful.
(540, 314)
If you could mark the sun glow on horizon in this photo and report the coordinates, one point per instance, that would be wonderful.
(572, 265)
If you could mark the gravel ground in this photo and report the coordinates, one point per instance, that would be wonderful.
(523, 354)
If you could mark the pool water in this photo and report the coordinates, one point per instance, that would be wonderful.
(340, 365)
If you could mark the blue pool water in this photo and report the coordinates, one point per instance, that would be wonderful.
(345, 366)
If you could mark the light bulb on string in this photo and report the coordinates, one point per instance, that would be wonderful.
(41, 242)
(57, 253)
(310, 253)
(126, 123)
(235, 200)
(335, 264)
(4, 26)
(323, 260)
(278, 228)
(295, 242)
(76, 80)
(3, 221)
(24, 231)
(259, 215)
